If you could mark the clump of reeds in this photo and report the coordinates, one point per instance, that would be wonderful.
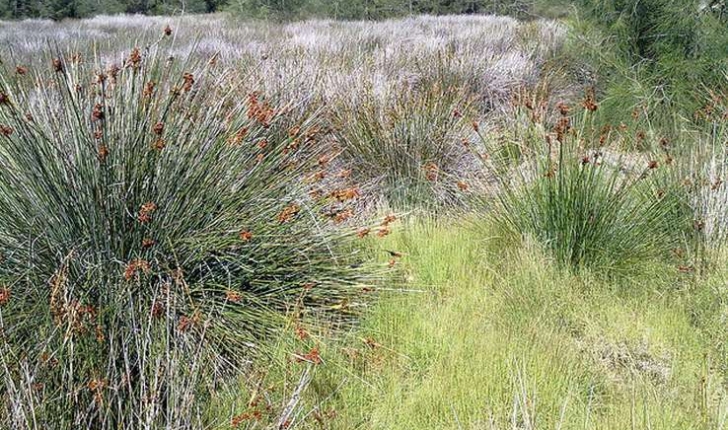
(153, 229)
(593, 206)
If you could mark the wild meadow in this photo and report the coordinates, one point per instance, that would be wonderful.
(431, 222)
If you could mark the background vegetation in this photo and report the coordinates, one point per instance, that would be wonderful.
(467, 221)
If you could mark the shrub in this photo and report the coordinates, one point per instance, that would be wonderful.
(407, 146)
(152, 231)
(593, 207)
(654, 54)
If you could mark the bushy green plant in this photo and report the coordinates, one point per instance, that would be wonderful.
(152, 230)
(407, 146)
(658, 55)
(593, 207)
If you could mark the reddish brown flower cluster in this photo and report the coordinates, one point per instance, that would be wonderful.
(590, 102)
(97, 387)
(363, 232)
(246, 235)
(97, 114)
(237, 138)
(563, 108)
(185, 323)
(263, 113)
(135, 59)
(317, 176)
(188, 81)
(344, 174)
(4, 295)
(57, 64)
(100, 77)
(148, 89)
(157, 310)
(233, 296)
(288, 213)
(604, 134)
(148, 242)
(301, 332)
(237, 420)
(21, 70)
(563, 126)
(313, 356)
(134, 267)
(476, 126)
(343, 215)
(167, 30)
(385, 230)
(113, 72)
(6, 130)
(145, 212)
(158, 128)
(103, 152)
(431, 171)
(324, 160)
(345, 194)
(4, 99)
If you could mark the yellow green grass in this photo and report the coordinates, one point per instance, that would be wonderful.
(480, 333)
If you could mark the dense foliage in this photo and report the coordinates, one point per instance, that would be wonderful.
(153, 223)
(341, 9)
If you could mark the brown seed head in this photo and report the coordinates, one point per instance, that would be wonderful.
(57, 64)
(148, 89)
(246, 235)
(103, 152)
(288, 213)
(189, 80)
(563, 108)
(233, 296)
(389, 219)
(4, 295)
(135, 59)
(97, 114)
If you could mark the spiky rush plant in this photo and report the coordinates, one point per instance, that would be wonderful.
(408, 145)
(152, 231)
(592, 207)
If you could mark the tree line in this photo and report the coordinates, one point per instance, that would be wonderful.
(267, 9)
